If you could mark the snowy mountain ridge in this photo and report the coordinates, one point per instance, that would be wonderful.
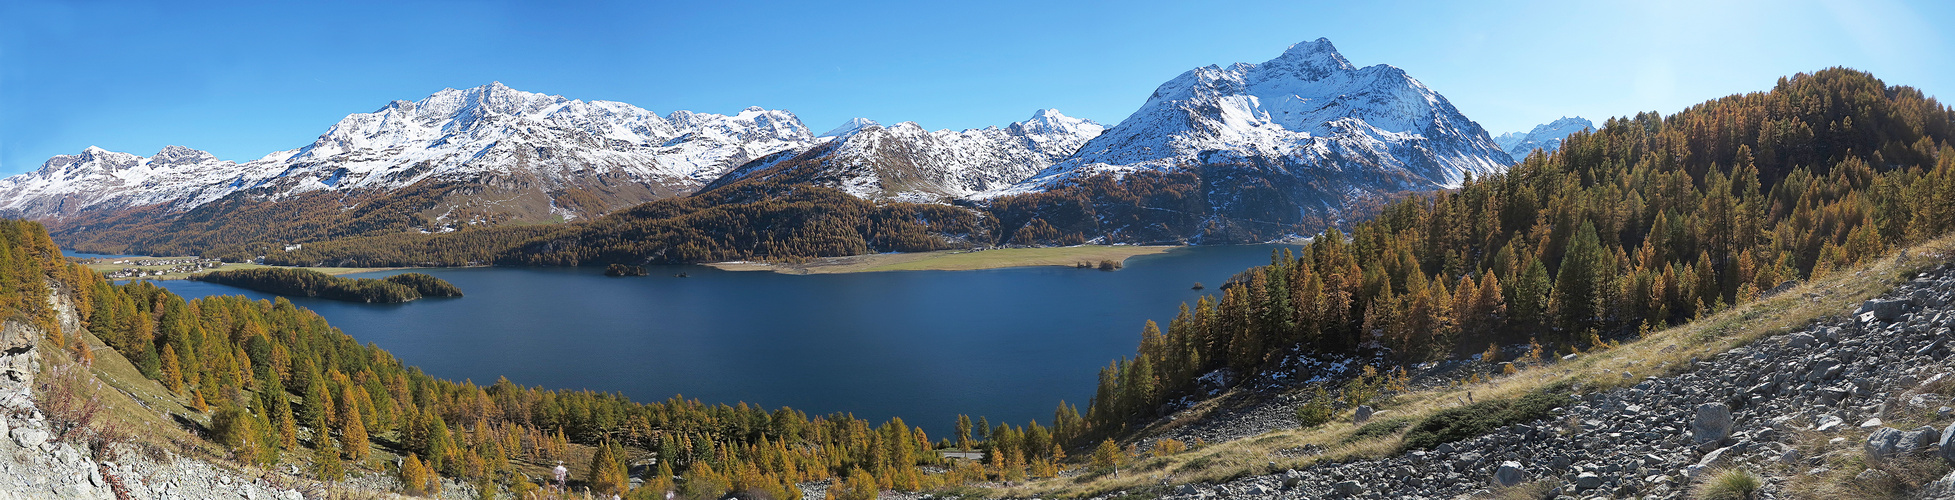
(1277, 146)
(1545, 137)
(539, 142)
(1307, 109)
(905, 162)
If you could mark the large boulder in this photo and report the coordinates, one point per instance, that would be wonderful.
(1947, 443)
(1587, 481)
(1883, 442)
(1711, 425)
(1919, 439)
(1361, 415)
(1885, 310)
(1509, 474)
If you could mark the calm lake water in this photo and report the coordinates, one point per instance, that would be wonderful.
(1008, 344)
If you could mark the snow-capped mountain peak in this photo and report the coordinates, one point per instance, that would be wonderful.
(1310, 60)
(1307, 114)
(1047, 122)
(1546, 137)
(850, 127)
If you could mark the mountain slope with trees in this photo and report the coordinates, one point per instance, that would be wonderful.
(276, 385)
(1647, 222)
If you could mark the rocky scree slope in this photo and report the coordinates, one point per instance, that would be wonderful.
(1854, 401)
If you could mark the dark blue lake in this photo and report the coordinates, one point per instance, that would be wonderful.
(1008, 344)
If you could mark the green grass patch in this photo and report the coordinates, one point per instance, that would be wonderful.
(1379, 429)
(1462, 422)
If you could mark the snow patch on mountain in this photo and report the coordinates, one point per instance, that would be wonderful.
(1545, 137)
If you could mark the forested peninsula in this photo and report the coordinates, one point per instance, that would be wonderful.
(307, 283)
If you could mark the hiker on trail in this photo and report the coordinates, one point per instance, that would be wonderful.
(562, 474)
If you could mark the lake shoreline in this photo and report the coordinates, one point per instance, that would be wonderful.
(954, 260)
(105, 266)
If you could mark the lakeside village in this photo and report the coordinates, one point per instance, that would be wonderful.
(159, 267)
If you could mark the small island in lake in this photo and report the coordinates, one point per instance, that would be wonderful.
(620, 270)
(307, 283)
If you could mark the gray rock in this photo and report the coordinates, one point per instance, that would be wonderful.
(29, 437)
(1187, 489)
(1885, 310)
(1825, 368)
(1348, 488)
(1947, 443)
(1883, 443)
(1587, 481)
(1361, 415)
(1941, 489)
(1712, 423)
(1919, 439)
(1712, 458)
(1509, 474)
(1833, 394)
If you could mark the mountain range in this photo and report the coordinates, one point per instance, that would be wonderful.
(1545, 137)
(1294, 139)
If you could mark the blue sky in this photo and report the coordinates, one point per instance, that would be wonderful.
(245, 79)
